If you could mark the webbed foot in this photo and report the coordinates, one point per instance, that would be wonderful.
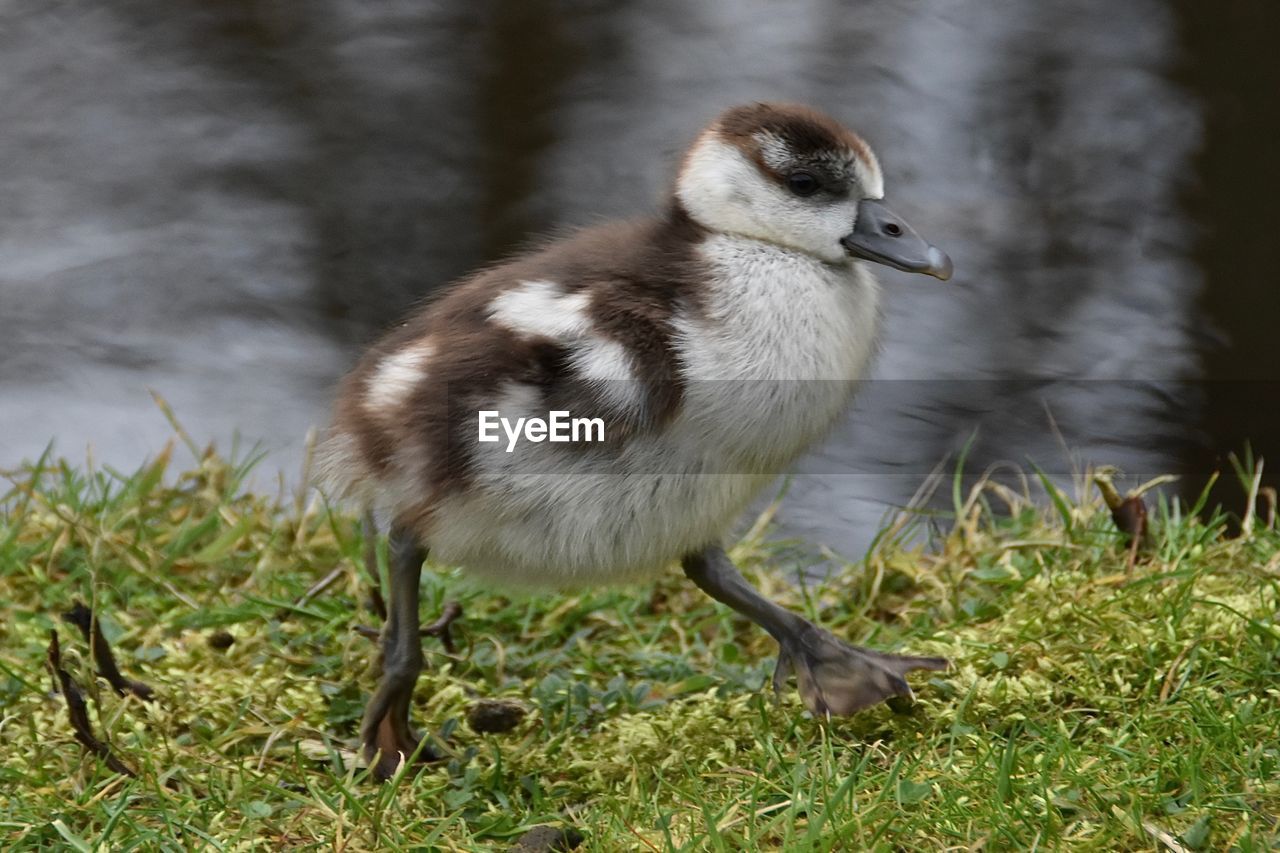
(838, 679)
(388, 738)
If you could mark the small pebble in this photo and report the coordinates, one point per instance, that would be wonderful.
(220, 640)
(494, 716)
(544, 839)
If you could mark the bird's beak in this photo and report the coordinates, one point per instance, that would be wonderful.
(882, 236)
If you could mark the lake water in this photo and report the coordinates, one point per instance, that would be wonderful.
(222, 202)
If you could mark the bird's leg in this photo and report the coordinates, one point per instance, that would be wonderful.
(370, 530)
(385, 731)
(833, 677)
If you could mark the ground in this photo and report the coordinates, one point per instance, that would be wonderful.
(1088, 706)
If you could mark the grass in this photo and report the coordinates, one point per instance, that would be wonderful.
(1087, 707)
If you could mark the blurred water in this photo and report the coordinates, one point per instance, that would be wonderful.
(221, 202)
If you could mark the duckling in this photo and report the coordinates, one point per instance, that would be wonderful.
(707, 347)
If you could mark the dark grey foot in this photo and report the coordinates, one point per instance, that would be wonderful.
(388, 739)
(837, 679)
(834, 677)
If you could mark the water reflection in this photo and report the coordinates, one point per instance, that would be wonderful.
(222, 201)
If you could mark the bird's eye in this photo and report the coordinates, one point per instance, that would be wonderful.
(802, 183)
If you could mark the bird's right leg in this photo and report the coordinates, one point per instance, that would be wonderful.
(833, 676)
(385, 732)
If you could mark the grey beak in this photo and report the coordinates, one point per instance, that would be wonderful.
(882, 236)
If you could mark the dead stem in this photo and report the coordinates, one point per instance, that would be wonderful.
(82, 617)
(78, 710)
(1129, 513)
(319, 587)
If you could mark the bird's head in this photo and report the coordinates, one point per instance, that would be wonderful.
(792, 176)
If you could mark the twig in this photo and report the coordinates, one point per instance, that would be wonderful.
(78, 711)
(1166, 689)
(1164, 838)
(319, 587)
(82, 617)
(1133, 550)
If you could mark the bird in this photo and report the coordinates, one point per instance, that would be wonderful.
(702, 349)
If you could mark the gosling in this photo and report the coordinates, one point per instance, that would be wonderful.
(703, 350)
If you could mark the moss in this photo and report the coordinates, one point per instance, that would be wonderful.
(1087, 707)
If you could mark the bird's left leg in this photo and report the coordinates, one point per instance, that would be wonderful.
(385, 731)
(833, 677)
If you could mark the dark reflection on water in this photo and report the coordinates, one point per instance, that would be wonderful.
(222, 201)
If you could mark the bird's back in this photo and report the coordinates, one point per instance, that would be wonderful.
(711, 362)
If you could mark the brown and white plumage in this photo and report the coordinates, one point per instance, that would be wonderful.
(717, 341)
